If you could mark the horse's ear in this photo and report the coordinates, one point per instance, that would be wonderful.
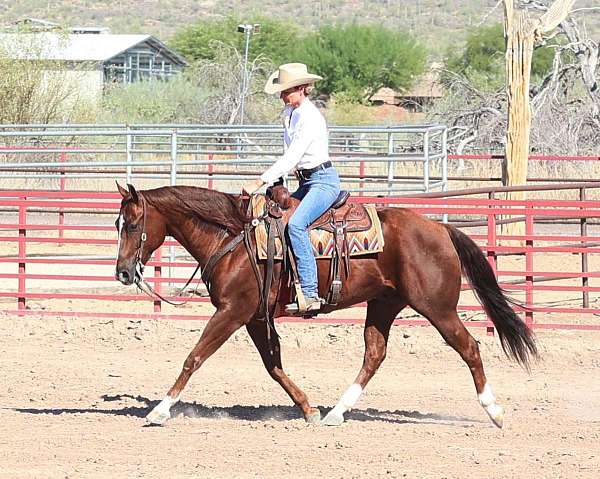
(123, 191)
(133, 193)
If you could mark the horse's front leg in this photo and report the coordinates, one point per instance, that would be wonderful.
(271, 357)
(218, 329)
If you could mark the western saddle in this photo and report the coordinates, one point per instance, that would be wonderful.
(341, 218)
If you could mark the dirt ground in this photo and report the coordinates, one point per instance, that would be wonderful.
(75, 393)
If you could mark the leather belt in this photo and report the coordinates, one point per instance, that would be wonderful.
(307, 172)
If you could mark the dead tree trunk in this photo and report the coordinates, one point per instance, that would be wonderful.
(520, 32)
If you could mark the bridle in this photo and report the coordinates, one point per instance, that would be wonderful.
(139, 266)
(143, 285)
(244, 236)
(138, 278)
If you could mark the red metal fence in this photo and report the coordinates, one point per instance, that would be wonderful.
(48, 262)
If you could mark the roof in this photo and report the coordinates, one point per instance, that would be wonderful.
(76, 47)
(36, 22)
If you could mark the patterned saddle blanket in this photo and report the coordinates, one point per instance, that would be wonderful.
(363, 229)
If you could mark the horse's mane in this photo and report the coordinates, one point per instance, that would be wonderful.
(220, 209)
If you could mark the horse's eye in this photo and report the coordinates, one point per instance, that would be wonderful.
(132, 227)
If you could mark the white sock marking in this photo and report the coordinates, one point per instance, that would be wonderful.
(348, 399)
(488, 401)
(167, 403)
(486, 398)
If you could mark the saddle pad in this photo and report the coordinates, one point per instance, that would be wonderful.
(359, 243)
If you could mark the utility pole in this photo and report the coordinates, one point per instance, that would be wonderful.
(248, 30)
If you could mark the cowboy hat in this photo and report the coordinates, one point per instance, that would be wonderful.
(288, 76)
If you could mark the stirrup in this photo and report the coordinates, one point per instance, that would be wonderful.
(313, 305)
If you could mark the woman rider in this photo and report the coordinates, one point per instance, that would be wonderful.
(307, 150)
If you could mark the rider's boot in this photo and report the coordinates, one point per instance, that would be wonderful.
(313, 305)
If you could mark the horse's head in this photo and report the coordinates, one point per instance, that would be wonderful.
(141, 230)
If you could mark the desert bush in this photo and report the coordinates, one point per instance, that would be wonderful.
(34, 90)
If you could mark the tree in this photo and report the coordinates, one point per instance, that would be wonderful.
(34, 90)
(482, 61)
(357, 60)
(275, 41)
(520, 33)
(565, 103)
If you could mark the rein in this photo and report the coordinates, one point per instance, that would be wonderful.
(140, 282)
(208, 269)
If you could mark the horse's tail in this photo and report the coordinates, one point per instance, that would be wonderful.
(516, 338)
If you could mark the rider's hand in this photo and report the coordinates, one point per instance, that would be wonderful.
(252, 186)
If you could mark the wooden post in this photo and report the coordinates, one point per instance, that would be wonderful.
(520, 32)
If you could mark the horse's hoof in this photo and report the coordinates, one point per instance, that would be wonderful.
(313, 417)
(498, 420)
(156, 417)
(333, 419)
(496, 414)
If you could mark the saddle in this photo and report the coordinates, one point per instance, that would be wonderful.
(341, 218)
(354, 215)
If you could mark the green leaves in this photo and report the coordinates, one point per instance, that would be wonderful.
(275, 40)
(482, 60)
(357, 60)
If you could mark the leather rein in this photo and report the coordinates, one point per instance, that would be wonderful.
(208, 269)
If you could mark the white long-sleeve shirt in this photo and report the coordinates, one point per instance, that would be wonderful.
(306, 139)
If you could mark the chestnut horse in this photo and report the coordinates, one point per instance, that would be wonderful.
(420, 266)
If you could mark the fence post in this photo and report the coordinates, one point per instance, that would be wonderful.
(445, 166)
(426, 161)
(361, 174)
(61, 211)
(211, 168)
(529, 231)
(491, 249)
(174, 157)
(128, 155)
(445, 159)
(584, 256)
(21, 290)
(173, 183)
(391, 163)
(157, 276)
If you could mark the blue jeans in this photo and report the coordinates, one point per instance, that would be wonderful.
(317, 194)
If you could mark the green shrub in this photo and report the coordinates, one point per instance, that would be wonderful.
(357, 60)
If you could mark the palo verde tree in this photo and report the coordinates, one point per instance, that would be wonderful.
(357, 60)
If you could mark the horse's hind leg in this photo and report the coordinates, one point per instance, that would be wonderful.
(272, 361)
(218, 329)
(458, 337)
(380, 317)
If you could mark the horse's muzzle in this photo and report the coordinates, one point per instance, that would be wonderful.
(127, 277)
(124, 277)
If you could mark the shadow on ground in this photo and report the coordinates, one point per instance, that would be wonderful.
(250, 413)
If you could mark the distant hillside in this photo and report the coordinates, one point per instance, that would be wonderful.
(437, 22)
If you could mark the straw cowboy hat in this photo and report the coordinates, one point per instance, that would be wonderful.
(288, 76)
